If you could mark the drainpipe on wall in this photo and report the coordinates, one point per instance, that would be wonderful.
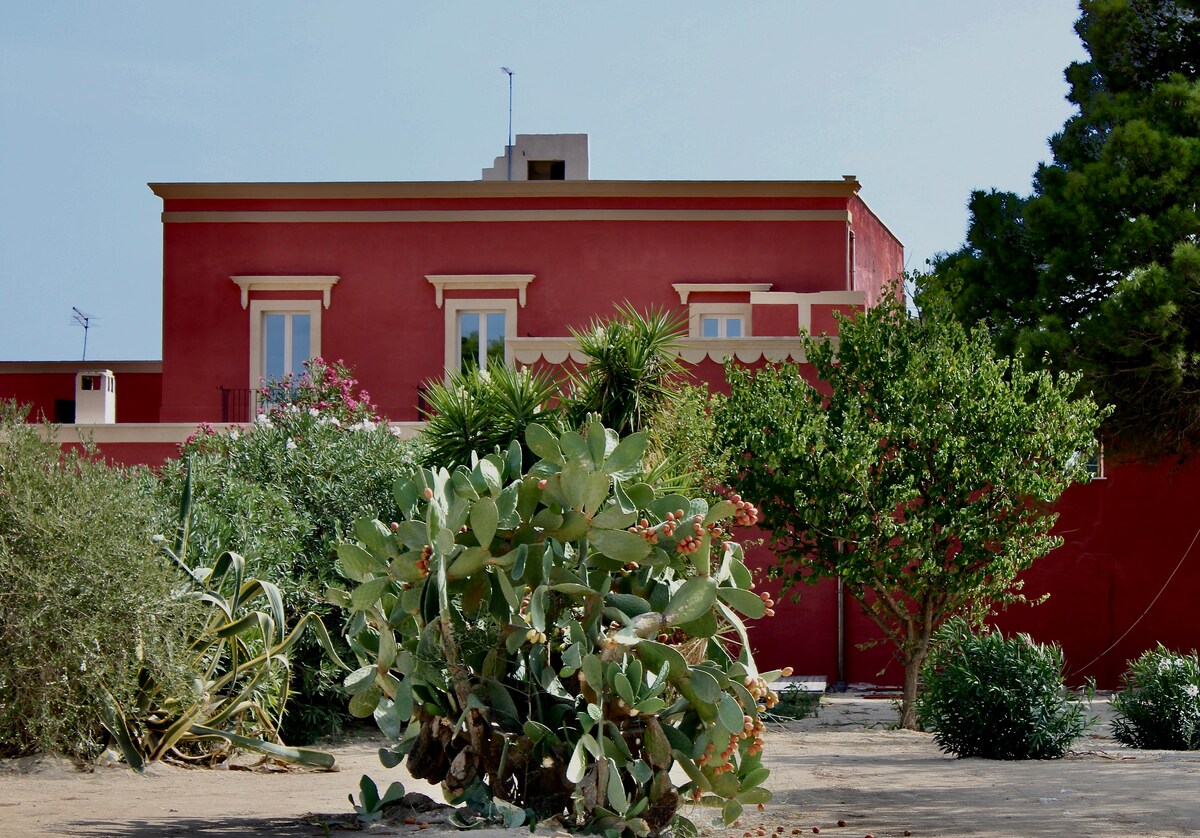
(853, 278)
(840, 686)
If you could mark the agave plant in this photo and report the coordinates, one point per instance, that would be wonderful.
(554, 642)
(240, 671)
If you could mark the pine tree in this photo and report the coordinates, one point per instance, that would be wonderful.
(1098, 270)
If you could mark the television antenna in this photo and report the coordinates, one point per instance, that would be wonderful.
(508, 148)
(84, 320)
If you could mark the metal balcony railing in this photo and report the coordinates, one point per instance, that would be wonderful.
(238, 404)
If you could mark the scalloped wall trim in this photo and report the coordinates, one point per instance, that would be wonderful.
(556, 350)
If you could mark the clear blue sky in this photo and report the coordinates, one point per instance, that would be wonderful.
(923, 101)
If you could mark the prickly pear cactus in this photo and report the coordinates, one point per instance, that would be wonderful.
(554, 643)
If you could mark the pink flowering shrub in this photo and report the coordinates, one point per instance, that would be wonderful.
(324, 390)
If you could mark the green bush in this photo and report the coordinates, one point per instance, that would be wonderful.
(797, 703)
(280, 492)
(86, 601)
(682, 443)
(1160, 705)
(986, 695)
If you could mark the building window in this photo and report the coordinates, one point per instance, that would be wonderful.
(287, 343)
(283, 335)
(721, 326)
(718, 320)
(480, 338)
(64, 411)
(478, 332)
(1095, 463)
(547, 170)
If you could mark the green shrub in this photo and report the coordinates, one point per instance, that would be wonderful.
(280, 492)
(986, 695)
(86, 601)
(1160, 705)
(796, 703)
(553, 642)
(683, 447)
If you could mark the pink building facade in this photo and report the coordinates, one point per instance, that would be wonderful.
(401, 280)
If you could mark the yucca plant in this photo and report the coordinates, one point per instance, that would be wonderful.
(553, 642)
(240, 671)
(632, 367)
(479, 410)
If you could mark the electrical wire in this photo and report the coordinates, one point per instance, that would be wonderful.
(1114, 644)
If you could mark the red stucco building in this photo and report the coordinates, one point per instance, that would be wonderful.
(400, 279)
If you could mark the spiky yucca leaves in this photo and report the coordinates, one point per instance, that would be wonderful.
(477, 410)
(519, 637)
(631, 369)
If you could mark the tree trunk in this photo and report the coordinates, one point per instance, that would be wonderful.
(908, 700)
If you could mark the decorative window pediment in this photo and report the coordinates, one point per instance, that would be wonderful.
(480, 282)
(285, 283)
(685, 289)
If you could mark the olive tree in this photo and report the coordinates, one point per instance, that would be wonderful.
(920, 469)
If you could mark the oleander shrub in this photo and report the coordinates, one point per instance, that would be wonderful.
(86, 601)
(1159, 706)
(280, 492)
(987, 695)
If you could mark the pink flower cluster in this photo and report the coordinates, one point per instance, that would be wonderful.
(323, 390)
(323, 394)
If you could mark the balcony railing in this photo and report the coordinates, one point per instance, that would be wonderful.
(238, 404)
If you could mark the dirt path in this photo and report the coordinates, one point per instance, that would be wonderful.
(844, 765)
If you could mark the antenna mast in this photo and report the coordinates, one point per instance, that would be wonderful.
(83, 320)
(508, 148)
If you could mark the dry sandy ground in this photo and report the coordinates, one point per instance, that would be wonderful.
(844, 765)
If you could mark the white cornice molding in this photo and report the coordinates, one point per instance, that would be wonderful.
(491, 215)
(285, 283)
(480, 282)
(843, 188)
(683, 289)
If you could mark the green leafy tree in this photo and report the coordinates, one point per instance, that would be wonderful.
(920, 470)
(1099, 269)
(86, 602)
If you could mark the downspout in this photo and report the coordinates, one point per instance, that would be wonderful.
(840, 686)
(852, 273)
